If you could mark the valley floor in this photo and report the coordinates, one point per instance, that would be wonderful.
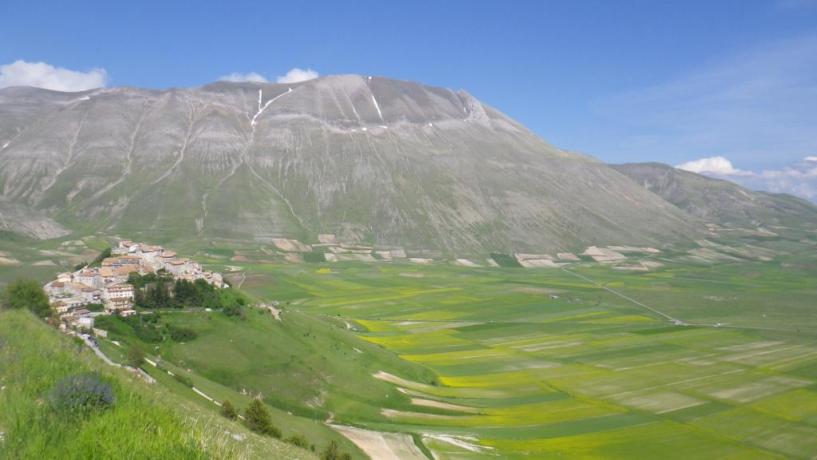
(400, 360)
(545, 363)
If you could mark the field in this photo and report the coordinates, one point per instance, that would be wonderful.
(399, 360)
(545, 363)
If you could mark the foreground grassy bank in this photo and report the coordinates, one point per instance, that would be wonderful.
(145, 421)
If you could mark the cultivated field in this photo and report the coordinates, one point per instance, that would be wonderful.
(545, 363)
(402, 360)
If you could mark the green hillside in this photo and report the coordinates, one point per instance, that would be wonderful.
(146, 421)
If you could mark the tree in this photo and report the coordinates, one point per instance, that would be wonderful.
(228, 410)
(136, 357)
(258, 419)
(26, 293)
(332, 452)
(102, 255)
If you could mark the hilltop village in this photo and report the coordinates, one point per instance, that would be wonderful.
(73, 296)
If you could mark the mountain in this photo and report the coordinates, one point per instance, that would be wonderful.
(371, 160)
(720, 201)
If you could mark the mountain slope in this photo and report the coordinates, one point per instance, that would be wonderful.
(719, 201)
(372, 160)
(145, 421)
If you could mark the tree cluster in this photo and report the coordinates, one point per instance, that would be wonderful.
(160, 290)
(26, 293)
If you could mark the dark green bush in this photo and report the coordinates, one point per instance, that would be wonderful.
(258, 419)
(183, 379)
(332, 452)
(298, 440)
(181, 334)
(227, 410)
(26, 293)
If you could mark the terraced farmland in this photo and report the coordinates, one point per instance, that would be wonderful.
(455, 362)
(545, 364)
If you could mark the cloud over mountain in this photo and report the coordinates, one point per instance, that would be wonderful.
(296, 75)
(799, 178)
(43, 75)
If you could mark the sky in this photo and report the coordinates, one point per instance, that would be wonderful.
(624, 81)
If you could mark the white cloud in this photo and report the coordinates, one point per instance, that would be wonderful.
(242, 77)
(798, 179)
(713, 165)
(296, 75)
(43, 75)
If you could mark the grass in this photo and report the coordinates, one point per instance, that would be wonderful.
(517, 363)
(584, 373)
(146, 422)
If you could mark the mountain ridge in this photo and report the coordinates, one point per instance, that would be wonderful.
(372, 160)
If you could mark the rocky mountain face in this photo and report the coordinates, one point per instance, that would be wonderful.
(718, 201)
(371, 160)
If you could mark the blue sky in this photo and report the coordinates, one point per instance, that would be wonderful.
(623, 81)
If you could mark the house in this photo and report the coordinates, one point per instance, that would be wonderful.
(85, 322)
(91, 295)
(60, 307)
(89, 277)
(177, 266)
(151, 253)
(111, 275)
(118, 305)
(118, 291)
(54, 288)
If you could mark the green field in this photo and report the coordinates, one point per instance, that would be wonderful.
(456, 362)
(532, 363)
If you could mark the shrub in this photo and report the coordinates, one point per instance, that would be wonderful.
(228, 410)
(181, 334)
(314, 257)
(332, 452)
(234, 311)
(258, 419)
(136, 357)
(298, 440)
(102, 255)
(95, 307)
(80, 394)
(26, 293)
(183, 379)
(504, 260)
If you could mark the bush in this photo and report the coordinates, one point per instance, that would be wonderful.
(183, 379)
(298, 440)
(234, 311)
(227, 410)
(102, 255)
(181, 334)
(81, 394)
(26, 293)
(504, 260)
(136, 357)
(333, 453)
(258, 419)
(94, 307)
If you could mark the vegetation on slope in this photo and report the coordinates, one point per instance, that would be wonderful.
(142, 421)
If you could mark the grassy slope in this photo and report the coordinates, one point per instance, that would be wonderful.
(147, 421)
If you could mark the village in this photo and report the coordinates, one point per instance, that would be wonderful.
(73, 296)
